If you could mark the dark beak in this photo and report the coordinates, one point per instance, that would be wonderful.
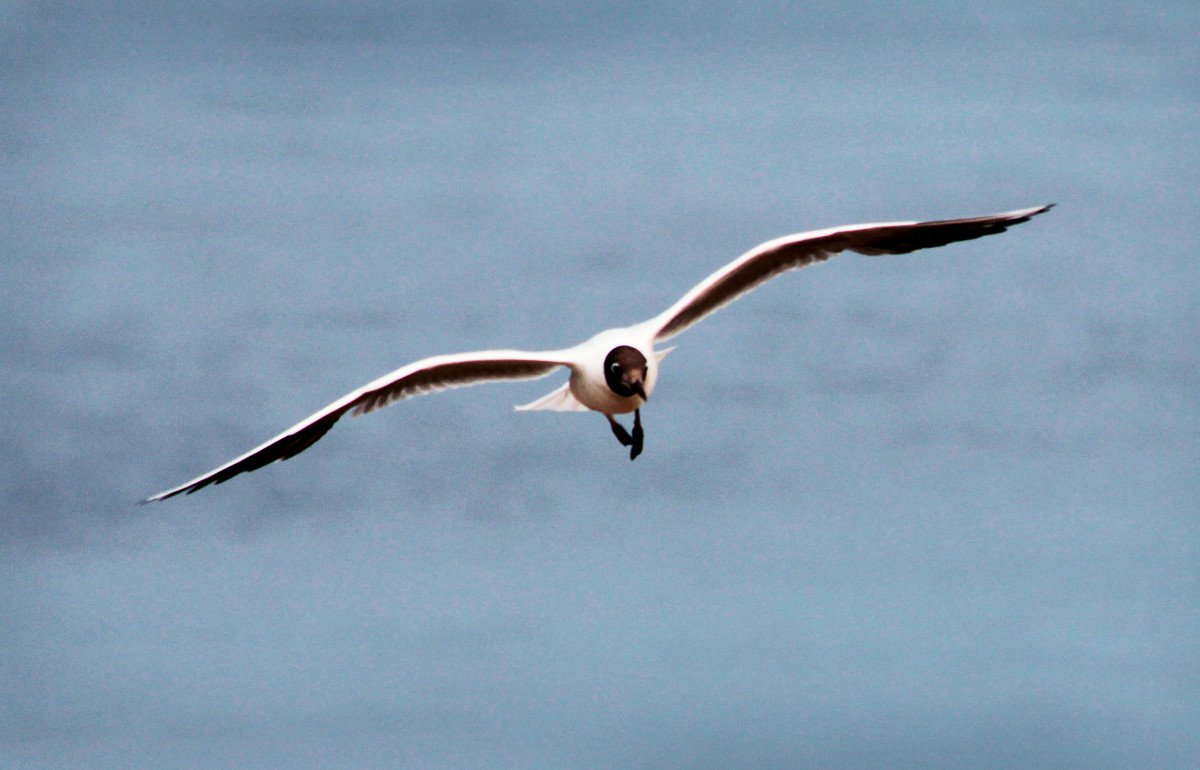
(638, 388)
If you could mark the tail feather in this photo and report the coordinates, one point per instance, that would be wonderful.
(558, 400)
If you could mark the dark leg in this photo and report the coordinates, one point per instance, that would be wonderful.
(619, 431)
(638, 435)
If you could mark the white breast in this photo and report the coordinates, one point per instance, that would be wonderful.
(588, 384)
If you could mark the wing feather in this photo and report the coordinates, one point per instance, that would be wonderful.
(426, 376)
(790, 252)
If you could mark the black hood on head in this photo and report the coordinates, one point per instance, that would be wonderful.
(625, 371)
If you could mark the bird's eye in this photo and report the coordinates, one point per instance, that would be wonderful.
(615, 368)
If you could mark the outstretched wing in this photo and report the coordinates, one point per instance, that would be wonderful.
(425, 376)
(794, 251)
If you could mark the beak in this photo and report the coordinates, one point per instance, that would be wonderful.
(638, 388)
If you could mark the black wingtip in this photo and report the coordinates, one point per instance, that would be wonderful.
(1030, 214)
(1041, 210)
(156, 498)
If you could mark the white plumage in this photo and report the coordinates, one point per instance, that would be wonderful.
(616, 370)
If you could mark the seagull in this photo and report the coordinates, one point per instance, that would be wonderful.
(614, 372)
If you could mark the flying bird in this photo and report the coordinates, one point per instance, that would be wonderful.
(614, 372)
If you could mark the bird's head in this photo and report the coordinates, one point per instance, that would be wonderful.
(625, 371)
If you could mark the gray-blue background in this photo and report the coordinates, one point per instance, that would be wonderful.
(931, 511)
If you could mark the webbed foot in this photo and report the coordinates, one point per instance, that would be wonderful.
(638, 435)
(635, 441)
(619, 431)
